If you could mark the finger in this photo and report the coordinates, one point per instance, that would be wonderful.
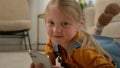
(40, 65)
(32, 65)
(57, 67)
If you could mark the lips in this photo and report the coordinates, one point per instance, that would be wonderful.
(58, 39)
(58, 36)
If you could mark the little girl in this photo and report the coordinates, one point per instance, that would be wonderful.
(67, 41)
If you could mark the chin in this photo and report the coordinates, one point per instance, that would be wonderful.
(57, 42)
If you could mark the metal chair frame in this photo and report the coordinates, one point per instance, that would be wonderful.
(17, 34)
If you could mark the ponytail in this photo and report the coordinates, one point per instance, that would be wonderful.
(88, 40)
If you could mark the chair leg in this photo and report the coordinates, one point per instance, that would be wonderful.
(24, 38)
(37, 46)
(25, 43)
(28, 36)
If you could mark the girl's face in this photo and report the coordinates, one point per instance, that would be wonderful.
(60, 29)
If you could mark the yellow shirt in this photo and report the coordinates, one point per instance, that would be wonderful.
(78, 57)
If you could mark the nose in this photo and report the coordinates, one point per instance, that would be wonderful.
(57, 29)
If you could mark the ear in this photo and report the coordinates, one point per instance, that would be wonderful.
(79, 26)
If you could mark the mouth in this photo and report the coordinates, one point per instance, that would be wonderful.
(58, 36)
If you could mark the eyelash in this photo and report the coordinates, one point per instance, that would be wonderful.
(64, 24)
(51, 22)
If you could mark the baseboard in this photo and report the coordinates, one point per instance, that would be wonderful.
(11, 48)
(18, 47)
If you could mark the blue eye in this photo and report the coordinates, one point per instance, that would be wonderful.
(65, 24)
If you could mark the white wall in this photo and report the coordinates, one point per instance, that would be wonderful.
(37, 7)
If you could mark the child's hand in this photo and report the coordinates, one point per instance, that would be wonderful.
(40, 66)
(33, 65)
(57, 67)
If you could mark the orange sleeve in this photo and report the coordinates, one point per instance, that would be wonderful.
(49, 52)
(92, 59)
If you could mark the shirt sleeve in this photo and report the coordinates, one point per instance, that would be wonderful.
(49, 51)
(93, 59)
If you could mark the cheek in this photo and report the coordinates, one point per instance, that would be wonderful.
(69, 34)
(49, 31)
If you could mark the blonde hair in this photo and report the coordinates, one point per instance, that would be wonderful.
(68, 7)
(88, 40)
(74, 12)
